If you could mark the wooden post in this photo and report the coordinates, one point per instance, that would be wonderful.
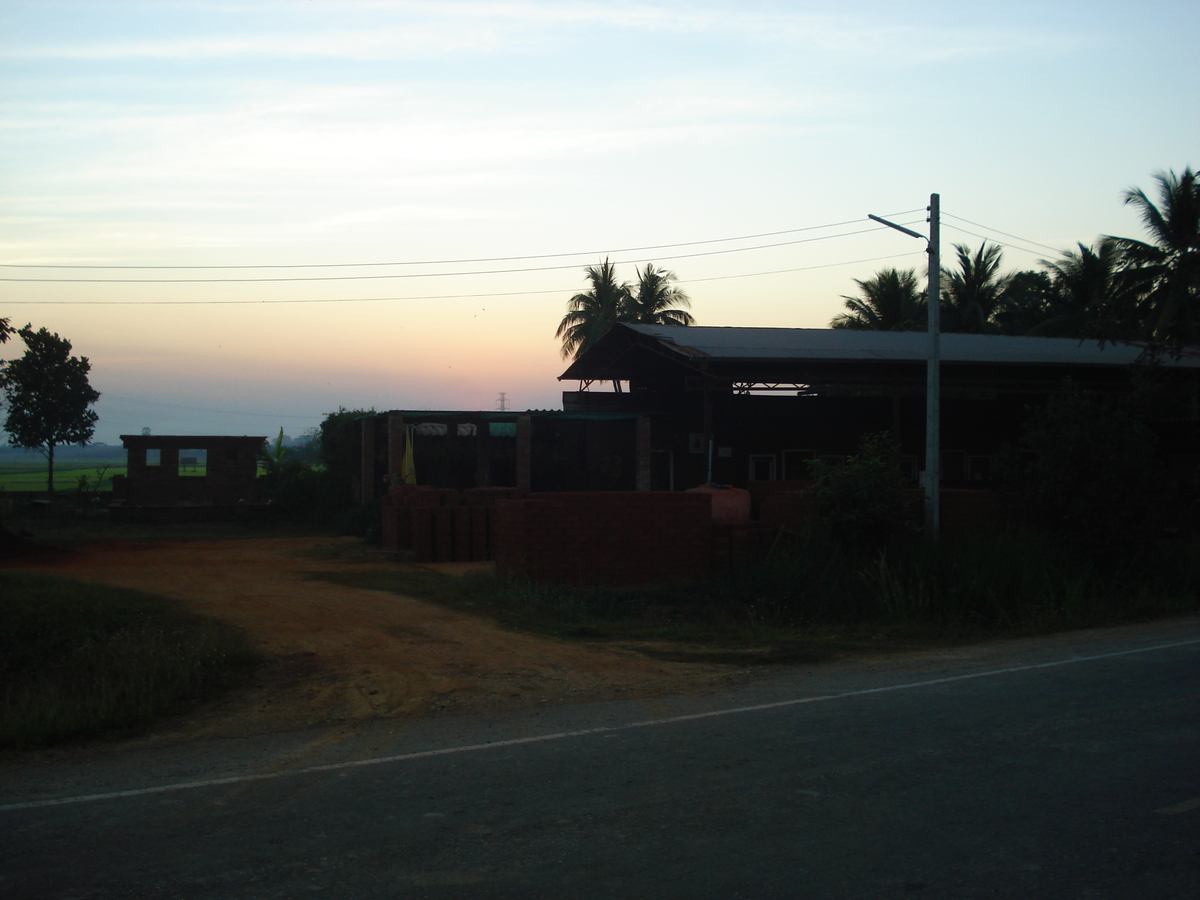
(483, 457)
(524, 451)
(395, 445)
(367, 464)
(643, 453)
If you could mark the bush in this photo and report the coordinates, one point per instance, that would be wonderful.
(864, 502)
(1086, 469)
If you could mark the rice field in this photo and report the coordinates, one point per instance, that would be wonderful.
(31, 476)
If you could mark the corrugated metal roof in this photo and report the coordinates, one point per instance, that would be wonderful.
(886, 346)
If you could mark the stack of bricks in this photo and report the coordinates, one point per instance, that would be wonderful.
(441, 524)
(625, 536)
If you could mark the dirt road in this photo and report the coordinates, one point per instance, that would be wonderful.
(338, 653)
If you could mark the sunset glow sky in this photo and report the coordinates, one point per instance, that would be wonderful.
(522, 141)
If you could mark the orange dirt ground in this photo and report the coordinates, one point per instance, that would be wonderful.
(338, 653)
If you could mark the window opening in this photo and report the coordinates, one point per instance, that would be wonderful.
(762, 467)
(797, 464)
(193, 463)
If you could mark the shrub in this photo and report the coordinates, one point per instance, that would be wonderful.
(864, 502)
(1087, 471)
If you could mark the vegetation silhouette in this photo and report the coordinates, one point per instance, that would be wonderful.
(1120, 290)
(48, 396)
(591, 313)
(889, 301)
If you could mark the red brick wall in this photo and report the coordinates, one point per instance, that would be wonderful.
(604, 536)
(441, 524)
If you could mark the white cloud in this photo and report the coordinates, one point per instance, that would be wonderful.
(385, 31)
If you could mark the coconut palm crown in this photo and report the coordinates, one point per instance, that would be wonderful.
(657, 301)
(890, 301)
(973, 294)
(591, 313)
(1163, 275)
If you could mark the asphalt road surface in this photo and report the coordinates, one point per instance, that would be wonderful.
(1061, 767)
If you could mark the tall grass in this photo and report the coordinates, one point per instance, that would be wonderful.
(78, 659)
(817, 585)
(1000, 581)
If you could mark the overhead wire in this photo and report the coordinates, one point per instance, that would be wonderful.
(484, 296)
(315, 278)
(440, 262)
(1015, 237)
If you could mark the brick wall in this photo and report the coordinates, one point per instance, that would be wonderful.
(604, 536)
(441, 524)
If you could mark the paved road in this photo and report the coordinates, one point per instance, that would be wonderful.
(1064, 767)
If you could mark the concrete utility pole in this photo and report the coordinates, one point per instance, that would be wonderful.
(933, 367)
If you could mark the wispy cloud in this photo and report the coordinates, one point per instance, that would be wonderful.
(385, 31)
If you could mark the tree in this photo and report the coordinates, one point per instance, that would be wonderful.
(974, 293)
(657, 301)
(1088, 470)
(890, 301)
(1088, 295)
(592, 313)
(865, 502)
(1163, 277)
(1027, 304)
(48, 396)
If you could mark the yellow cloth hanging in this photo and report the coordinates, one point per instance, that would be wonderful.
(408, 472)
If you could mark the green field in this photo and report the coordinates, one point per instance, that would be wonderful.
(31, 476)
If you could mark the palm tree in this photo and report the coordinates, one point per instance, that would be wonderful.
(1164, 275)
(657, 301)
(973, 294)
(889, 302)
(1087, 298)
(592, 313)
(1027, 304)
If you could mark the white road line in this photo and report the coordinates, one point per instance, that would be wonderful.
(603, 729)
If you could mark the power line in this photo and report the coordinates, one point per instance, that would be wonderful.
(807, 268)
(987, 238)
(1015, 237)
(849, 262)
(446, 262)
(311, 278)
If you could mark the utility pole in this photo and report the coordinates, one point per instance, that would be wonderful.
(933, 367)
(933, 378)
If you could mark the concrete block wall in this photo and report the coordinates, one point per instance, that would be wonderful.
(577, 537)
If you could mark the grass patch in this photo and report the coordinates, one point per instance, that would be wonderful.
(31, 476)
(63, 526)
(81, 659)
(819, 596)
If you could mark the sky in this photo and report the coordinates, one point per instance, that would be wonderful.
(249, 214)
